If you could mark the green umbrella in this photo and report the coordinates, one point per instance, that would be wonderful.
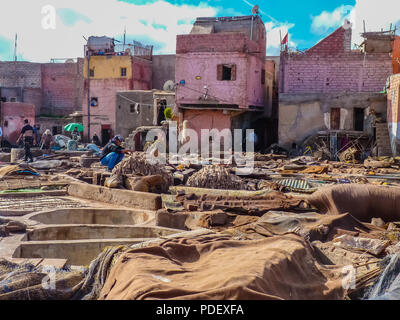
(71, 127)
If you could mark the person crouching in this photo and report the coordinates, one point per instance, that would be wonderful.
(113, 153)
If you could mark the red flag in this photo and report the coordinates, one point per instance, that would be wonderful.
(285, 39)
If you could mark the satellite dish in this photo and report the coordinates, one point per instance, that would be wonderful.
(255, 9)
(169, 85)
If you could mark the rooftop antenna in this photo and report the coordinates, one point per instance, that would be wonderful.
(124, 39)
(254, 11)
(15, 47)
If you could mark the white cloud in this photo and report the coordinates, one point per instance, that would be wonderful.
(325, 21)
(377, 15)
(106, 17)
(276, 32)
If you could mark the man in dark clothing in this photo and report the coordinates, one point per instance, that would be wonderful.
(96, 139)
(36, 133)
(27, 133)
(113, 153)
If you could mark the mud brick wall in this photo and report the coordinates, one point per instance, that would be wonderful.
(20, 74)
(383, 140)
(62, 85)
(393, 94)
(331, 67)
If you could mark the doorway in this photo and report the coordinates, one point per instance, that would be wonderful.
(358, 119)
(162, 105)
(106, 134)
(335, 118)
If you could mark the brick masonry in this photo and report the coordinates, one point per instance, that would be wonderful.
(20, 74)
(383, 140)
(62, 87)
(54, 88)
(331, 67)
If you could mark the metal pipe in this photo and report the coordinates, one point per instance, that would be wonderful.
(251, 32)
(88, 94)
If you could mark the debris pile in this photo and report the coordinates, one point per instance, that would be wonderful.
(216, 177)
(138, 164)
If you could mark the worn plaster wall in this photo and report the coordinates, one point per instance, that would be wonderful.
(269, 85)
(301, 115)
(204, 65)
(206, 119)
(13, 115)
(255, 86)
(127, 119)
(393, 112)
(103, 114)
(163, 70)
(141, 74)
(108, 67)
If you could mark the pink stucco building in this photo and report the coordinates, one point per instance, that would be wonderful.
(220, 72)
(106, 72)
(13, 115)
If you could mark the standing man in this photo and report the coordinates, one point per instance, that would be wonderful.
(96, 139)
(36, 133)
(27, 133)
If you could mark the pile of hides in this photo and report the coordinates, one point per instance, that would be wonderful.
(138, 164)
(218, 267)
(24, 282)
(216, 177)
(363, 202)
(61, 141)
(21, 169)
(240, 204)
(48, 164)
(7, 226)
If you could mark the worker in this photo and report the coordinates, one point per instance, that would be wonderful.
(47, 141)
(113, 153)
(76, 135)
(95, 139)
(29, 140)
(36, 133)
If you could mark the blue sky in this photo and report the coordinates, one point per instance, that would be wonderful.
(157, 22)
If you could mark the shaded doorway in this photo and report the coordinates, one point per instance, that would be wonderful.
(335, 118)
(106, 134)
(358, 119)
